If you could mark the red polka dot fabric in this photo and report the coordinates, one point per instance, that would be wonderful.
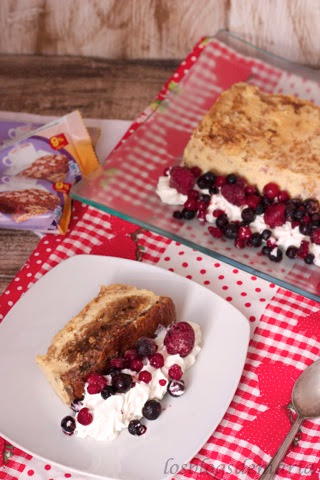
(285, 327)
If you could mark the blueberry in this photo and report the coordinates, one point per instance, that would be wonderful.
(188, 214)
(248, 215)
(314, 224)
(256, 239)
(311, 205)
(176, 388)
(309, 258)
(266, 234)
(76, 404)
(275, 255)
(107, 391)
(204, 198)
(265, 202)
(305, 228)
(145, 347)
(231, 179)
(259, 209)
(135, 427)
(213, 190)
(206, 180)
(152, 409)
(231, 231)
(290, 212)
(68, 425)
(113, 371)
(177, 214)
(222, 221)
(122, 382)
(299, 213)
(292, 252)
(266, 250)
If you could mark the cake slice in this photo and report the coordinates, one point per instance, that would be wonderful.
(261, 137)
(105, 328)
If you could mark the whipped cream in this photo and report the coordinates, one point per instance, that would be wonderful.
(284, 236)
(112, 415)
(169, 195)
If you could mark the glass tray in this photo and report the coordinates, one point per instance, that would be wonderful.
(125, 185)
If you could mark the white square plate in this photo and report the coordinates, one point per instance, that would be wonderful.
(186, 422)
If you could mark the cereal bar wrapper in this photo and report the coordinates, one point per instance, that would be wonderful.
(49, 159)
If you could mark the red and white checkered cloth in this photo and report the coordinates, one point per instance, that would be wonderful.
(285, 326)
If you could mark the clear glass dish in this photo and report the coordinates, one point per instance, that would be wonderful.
(126, 184)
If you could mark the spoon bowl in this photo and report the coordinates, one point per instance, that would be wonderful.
(306, 402)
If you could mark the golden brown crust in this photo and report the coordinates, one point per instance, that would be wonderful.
(261, 137)
(106, 327)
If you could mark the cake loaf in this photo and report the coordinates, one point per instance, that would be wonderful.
(48, 167)
(24, 204)
(261, 137)
(105, 328)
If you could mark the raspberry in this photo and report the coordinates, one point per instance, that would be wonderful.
(303, 249)
(96, 378)
(182, 179)
(253, 201)
(93, 388)
(270, 190)
(234, 193)
(191, 204)
(217, 212)
(274, 216)
(220, 180)
(156, 360)
(283, 196)
(130, 355)
(118, 362)
(239, 243)
(175, 372)
(145, 376)
(85, 417)
(136, 365)
(215, 232)
(180, 339)
(315, 236)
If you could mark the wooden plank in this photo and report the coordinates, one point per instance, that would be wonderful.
(99, 88)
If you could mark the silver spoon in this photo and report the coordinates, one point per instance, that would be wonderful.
(306, 401)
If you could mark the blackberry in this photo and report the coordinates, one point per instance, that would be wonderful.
(266, 234)
(248, 215)
(222, 221)
(309, 258)
(152, 409)
(231, 231)
(231, 179)
(188, 214)
(292, 252)
(177, 214)
(299, 213)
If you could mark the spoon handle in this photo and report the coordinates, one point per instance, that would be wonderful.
(274, 463)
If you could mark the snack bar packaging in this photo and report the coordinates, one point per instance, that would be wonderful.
(37, 171)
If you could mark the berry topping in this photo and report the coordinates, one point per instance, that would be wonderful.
(68, 425)
(188, 214)
(97, 378)
(130, 354)
(177, 214)
(234, 193)
(152, 409)
(274, 216)
(309, 258)
(113, 371)
(136, 365)
(107, 391)
(191, 204)
(266, 234)
(240, 242)
(231, 231)
(136, 428)
(145, 347)
(220, 180)
(244, 233)
(175, 372)
(266, 250)
(249, 190)
(222, 221)
(94, 388)
(283, 196)
(231, 178)
(275, 255)
(145, 376)
(76, 404)
(248, 215)
(196, 171)
(176, 388)
(292, 252)
(204, 198)
(217, 212)
(213, 190)
(253, 201)
(122, 382)
(182, 179)
(315, 236)
(84, 416)
(303, 249)
(206, 180)
(259, 209)
(118, 362)
(156, 360)
(311, 205)
(180, 339)
(215, 232)
(271, 190)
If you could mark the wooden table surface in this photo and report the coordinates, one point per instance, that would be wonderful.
(58, 85)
